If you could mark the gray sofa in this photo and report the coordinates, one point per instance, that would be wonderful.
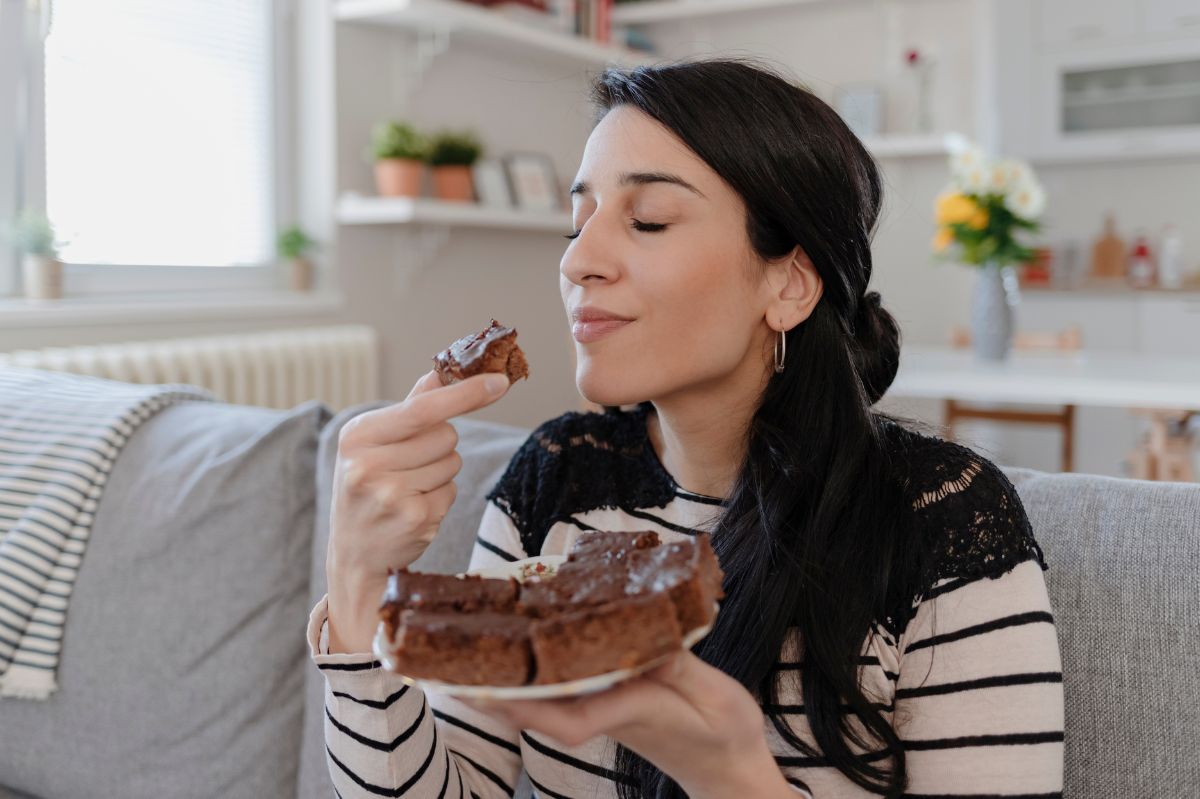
(184, 671)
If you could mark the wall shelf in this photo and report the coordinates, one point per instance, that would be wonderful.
(652, 11)
(910, 145)
(355, 209)
(476, 23)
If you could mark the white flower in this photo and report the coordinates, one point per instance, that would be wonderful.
(1009, 173)
(969, 167)
(1026, 199)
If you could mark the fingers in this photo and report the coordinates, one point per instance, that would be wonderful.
(427, 381)
(429, 407)
(428, 446)
(574, 721)
(435, 475)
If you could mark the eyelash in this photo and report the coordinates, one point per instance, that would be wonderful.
(644, 227)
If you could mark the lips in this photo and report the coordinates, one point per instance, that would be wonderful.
(586, 332)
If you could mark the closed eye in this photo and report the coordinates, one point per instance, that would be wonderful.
(644, 227)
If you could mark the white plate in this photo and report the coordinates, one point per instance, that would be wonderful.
(559, 690)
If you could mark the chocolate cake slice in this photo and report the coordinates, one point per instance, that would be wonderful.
(688, 571)
(605, 545)
(484, 648)
(493, 349)
(444, 593)
(596, 640)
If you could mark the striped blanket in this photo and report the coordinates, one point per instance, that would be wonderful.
(59, 436)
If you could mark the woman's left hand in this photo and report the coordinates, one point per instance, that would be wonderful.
(697, 724)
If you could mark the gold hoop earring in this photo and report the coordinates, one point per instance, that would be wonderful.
(780, 352)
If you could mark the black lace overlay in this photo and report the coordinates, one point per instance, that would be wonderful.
(579, 462)
(965, 508)
(967, 514)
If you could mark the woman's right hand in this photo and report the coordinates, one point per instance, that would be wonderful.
(392, 485)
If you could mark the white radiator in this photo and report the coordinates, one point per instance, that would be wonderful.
(276, 369)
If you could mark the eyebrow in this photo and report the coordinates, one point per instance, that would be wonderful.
(640, 179)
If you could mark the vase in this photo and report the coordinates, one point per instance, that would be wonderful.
(43, 277)
(301, 274)
(453, 183)
(993, 308)
(398, 177)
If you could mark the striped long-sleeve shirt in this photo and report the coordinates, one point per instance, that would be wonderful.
(971, 681)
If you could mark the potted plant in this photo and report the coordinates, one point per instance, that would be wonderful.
(451, 156)
(294, 246)
(400, 153)
(33, 236)
(979, 216)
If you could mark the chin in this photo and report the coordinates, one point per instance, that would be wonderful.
(607, 386)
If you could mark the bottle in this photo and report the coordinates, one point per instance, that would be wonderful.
(1108, 252)
(1170, 259)
(1141, 271)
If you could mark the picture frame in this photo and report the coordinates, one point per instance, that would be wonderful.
(491, 184)
(861, 106)
(532, 178)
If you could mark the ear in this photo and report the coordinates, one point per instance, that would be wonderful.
(795, 287)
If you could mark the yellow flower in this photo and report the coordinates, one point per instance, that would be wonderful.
(942, 239)
(953, 207)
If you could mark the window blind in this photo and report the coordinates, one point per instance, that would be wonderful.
(159, 125)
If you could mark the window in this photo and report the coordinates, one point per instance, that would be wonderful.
(160, 153)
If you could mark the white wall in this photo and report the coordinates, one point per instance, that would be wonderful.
(542, 107)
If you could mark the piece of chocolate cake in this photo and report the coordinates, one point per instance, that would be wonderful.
(605, 545)
(444, 593)
(493, 349)
(483, 648)
(596, 640)
(688, 571)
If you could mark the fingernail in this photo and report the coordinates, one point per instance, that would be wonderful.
(495, 384)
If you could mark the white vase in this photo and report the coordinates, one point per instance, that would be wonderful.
(43, 276)
(993, 308)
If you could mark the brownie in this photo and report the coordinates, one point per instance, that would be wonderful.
(618, 635)
(484, 648)
(493, 349)
(604, 545)
(444, 593)
(687, 571)
(620, 600)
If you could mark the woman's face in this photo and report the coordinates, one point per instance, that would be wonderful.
(661, 242)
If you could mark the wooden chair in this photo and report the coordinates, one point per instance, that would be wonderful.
(1068, 340)
(1166, 451)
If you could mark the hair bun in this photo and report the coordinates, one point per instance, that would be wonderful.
(877, 345)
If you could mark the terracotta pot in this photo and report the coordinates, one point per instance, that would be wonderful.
(301, 274)
(398, 177)
(453, 183)
(43, 277)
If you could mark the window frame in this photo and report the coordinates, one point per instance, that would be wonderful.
(106, 280)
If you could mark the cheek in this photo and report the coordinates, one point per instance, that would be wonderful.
(694, 330)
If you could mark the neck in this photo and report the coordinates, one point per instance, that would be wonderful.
(700, 438)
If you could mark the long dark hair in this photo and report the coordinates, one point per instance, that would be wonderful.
(812, 539)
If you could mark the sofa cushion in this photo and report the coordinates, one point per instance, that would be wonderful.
(485, 448)
(1124, 582)
(184, 652)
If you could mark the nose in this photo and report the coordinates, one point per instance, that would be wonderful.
(591, 256)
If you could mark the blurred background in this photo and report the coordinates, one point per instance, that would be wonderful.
(292, 199)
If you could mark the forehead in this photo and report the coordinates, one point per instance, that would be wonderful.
(628, 149)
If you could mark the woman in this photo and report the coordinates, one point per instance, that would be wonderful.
(886, 629)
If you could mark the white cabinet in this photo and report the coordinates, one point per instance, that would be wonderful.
(1069, 22)
(1172, 17)
(1169, 325)
(1090, 80)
